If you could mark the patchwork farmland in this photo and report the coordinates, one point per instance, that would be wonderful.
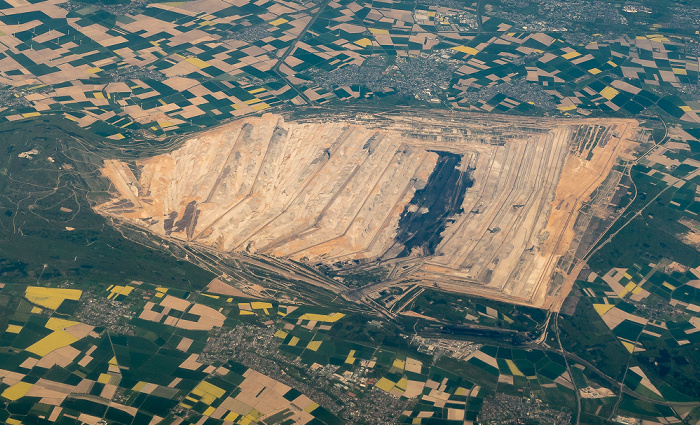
(161, 69)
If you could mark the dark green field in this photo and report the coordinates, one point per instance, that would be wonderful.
(42, 198)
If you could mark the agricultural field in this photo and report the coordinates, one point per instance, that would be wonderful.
(634, 309)
(219, 355)
(154, 69)
(141, 369)
(168, 359)
(330, 212)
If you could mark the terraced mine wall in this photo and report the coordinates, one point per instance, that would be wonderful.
(459, 203)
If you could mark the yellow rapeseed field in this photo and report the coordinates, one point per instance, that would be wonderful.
(17, 391)
(50, 342)
(13, 329)
(314, 345)
(56, 324)
(117, 290)
(513, 368)
(208, 392)
(51, 297)
(329, 318)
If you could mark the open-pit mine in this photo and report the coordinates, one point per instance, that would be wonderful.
(464, 203)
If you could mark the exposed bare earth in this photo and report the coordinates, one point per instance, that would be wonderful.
(335, 193)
